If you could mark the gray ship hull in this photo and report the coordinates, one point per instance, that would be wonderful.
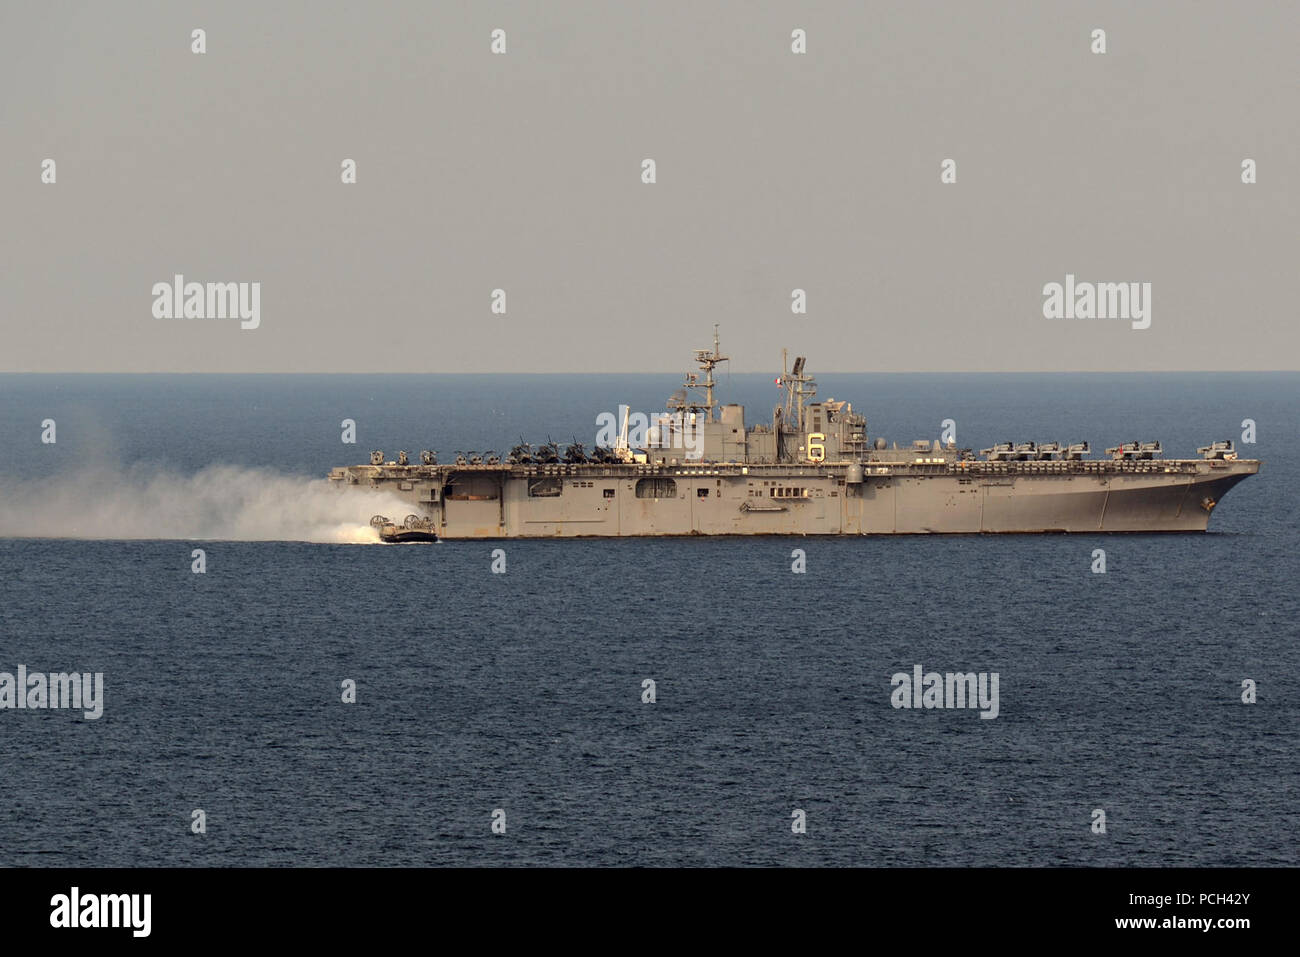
(877, 498)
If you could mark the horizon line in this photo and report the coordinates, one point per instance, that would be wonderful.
(390, 372)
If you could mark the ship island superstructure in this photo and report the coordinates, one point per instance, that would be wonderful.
(810, 470)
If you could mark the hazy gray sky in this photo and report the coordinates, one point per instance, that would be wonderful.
(522, 171)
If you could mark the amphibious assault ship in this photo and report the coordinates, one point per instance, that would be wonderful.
(811, 470)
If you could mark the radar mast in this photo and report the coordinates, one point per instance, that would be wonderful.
(707, 361)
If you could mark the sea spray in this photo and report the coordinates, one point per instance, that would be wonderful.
(220, 502)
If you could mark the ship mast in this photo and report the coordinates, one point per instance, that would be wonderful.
(707, 361)
(798, 387)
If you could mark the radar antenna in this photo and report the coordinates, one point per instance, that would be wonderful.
(707, 362)
(798, 387)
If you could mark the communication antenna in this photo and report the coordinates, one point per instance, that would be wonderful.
(707, 362)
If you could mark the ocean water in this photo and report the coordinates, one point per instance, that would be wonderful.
(523, 692)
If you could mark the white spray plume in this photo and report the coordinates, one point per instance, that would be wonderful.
(218, 503)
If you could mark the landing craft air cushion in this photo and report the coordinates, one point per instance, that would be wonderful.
(810, 471)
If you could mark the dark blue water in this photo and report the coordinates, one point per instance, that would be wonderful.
(523, 691)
